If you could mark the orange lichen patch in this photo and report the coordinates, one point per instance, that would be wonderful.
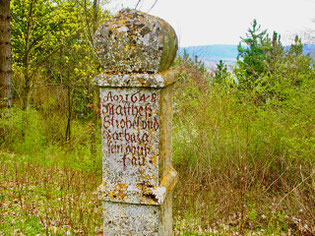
(151, 202)
(121, 22)
(142, 171)
(139, 186)
(120, 187)
(119, 192)
(169, 179)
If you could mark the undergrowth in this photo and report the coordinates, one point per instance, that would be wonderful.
(244, 168)
(37, 199)
(47, 184)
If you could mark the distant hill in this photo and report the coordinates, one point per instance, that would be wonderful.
(307, 48)
(213, 52)
(226, 52)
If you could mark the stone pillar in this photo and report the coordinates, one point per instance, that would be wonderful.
(136, 50)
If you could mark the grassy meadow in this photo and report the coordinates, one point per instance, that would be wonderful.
(243, 169)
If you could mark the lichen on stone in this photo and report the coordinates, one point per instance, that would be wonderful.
(135, 42)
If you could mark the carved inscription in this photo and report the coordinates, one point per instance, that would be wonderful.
(130, 126)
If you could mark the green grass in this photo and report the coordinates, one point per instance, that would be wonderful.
(37, 199)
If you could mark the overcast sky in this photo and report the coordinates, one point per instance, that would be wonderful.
(204, 22)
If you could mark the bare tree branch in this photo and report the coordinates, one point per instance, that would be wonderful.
(137, 4)
(153, 5)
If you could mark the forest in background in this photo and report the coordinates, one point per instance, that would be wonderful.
(243, 141)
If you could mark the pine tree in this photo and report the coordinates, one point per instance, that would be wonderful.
(221, 73)
(251, 58)
(257, 60)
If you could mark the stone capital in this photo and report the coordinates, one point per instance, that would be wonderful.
(134, 80)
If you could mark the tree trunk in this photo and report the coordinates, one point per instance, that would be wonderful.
(95, 116)
(27, 78)
(95, 94)
(5, 55)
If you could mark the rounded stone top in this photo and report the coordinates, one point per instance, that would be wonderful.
(135, 42)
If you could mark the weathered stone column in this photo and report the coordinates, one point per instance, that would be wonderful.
(136, 50)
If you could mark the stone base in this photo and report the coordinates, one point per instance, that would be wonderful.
(136, 219)
(131, 219)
